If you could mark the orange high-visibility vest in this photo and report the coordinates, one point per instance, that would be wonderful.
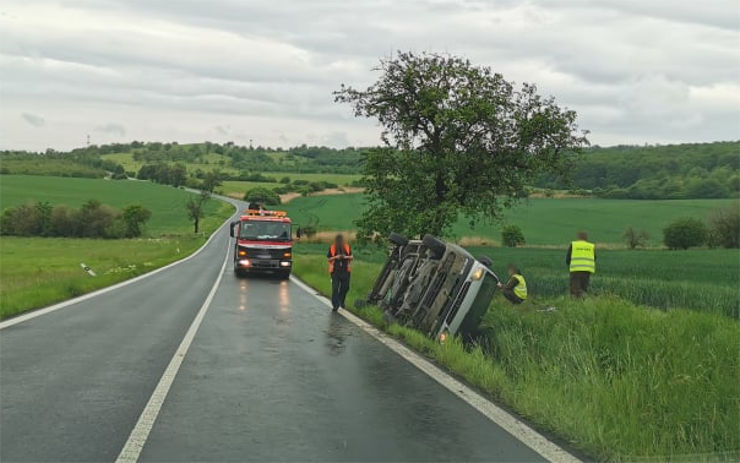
(333, 252)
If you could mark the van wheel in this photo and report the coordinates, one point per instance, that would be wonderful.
(435, 245)
(397, 239)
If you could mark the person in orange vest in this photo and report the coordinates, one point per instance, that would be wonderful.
(340, 257)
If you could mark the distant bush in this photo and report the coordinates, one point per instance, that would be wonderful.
(635, 239)
(685, 233)
(300, 182)
(512, 236)
(168, 174)
(308, 231)
(285, 180)
(263, 196)
(724, 227)
(91, 220)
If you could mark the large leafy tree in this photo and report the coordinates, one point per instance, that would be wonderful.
(459, 139)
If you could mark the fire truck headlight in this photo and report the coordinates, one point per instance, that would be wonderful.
(245, 263)
(285, 264)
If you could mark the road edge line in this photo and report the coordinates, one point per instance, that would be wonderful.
(505, 420)
(33, 313)
(139, 435)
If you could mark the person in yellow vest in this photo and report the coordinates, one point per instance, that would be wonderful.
(581, 261)
(340, 257)
(515, 290)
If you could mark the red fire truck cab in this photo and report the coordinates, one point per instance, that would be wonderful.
(263, 243)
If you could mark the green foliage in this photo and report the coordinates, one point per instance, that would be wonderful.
(459, 139)
(285, 180)
(134, 217)
(512, 236)
(195, 207)
(263, 196)
(92, 220)
(168, 174)
(685, 233)
(697, 170)
(724, 227)
(635, 239)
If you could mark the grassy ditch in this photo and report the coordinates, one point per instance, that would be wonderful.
(618, 380)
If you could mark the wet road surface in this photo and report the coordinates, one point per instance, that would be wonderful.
(272, 374)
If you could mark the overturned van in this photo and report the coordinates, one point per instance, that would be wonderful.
(436, 287)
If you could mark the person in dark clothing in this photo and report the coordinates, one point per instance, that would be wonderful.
(340, 257)
(515, 290)
(581, 261)
(298, 233)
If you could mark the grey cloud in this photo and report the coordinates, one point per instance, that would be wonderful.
(632, 69)
(112, 129)
(33, 119)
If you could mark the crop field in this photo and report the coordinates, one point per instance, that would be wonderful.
(166, 203)
(621, 381)
(35, 271)
(240, 187)
(215, 161)
(543, 221)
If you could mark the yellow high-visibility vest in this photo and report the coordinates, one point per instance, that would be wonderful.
(520, 290)
(582, 257)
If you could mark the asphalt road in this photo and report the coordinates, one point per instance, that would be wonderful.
(272, 374)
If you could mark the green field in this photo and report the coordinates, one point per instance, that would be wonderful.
(166, 203)
(35, 272)
(622, 382)
(223, 163)
(59, 167)
(543, 221)
(240, 187)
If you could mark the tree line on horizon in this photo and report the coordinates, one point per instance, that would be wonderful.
(691, 170)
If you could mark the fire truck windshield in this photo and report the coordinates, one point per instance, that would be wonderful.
(264, 231)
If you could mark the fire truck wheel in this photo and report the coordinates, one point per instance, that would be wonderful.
(284, 275)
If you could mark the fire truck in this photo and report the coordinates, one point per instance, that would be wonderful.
(263, 243)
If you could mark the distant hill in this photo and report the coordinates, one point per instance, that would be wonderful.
(697, 170)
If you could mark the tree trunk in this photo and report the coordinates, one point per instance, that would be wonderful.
(195, 224)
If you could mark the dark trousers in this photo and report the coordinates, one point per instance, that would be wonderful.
(339, 289)
(579, 283)
(513, 298)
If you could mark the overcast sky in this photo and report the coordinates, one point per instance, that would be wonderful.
(637, 71)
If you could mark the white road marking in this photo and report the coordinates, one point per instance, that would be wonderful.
(84, 297)
(136, 440)
(521, 431)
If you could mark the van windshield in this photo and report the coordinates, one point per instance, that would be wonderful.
(264, 231)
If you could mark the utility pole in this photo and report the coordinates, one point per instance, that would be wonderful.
(88, 139)
(250, 144)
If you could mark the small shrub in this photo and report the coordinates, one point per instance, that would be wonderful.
(512, 236)
(724, 227)
(134, 217)
(685, 233)
(635, 239)
(285, 180)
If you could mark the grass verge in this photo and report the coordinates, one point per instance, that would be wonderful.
(36, 272)
(620, 381)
